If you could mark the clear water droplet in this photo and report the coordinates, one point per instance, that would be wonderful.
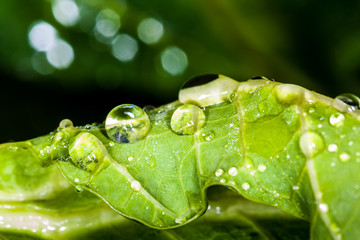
(66, 123)
(130, 158)
(207, 90)
(111, 144)
(222, 180)
(311, 110)
(76, 180)
(180, 220)
(127, 123)
(262, 168)
(136, 186)
(79, 189)
(337, 119)
(233, 171)
(311, 144)
(351, 100)
(208, 136)
(232, 97)
(187, 119)
(148, 108)
(332, 147)
(344, 157)
(219, 172)
(245, 186)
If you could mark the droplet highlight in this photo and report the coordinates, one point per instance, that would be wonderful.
(219, 172)
(344, 157)
(233, 171)
(351, 100)
(245, 186)
(136, 186)
(311, 144)
(127, 123)
(187, 119)
(332, 147)
(337, 119)
(262, 168)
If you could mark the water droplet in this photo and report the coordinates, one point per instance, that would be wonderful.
(66, 123)
(233, 171)
(208, 136)
(127, 123)
(295, 187)
(222, 180)
(323, 207)
(136, 186)
(337, 119)
(79, 189)
(219, 172)
(276, 194)
(148, 108)
(262, 168)
(344, 157)
(187, 119)
(232, 97)
(76, 180)
(351, 143)
(245, 186)
(207, 90)
(350, 99)
(180, 220)
(311, 110)
(130, 158)
(311, 144)
(162, 213)
(332, 147)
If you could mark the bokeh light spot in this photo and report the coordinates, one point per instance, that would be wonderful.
(174, 60)
(40, 64)
(42, 36)
(61, 55)
(150, 30)
(124, 47)
(66, 12)
(107, 23)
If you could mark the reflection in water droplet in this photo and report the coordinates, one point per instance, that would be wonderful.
(245, 186)
(337, 119)
(219, 172)
(60, 55)
(210, 89)
(332, 147)
(148, 108)
(344, 157)
(150, 30)
(66, 12)
(124, 47)
(136, 186)
(350, 99)
(262, 168)
(233, 171)
(107, 23)
(42, 36)
(174, 60)
(311, 144)
(127, 123)
(79, 189)
(208, 136)
(187, 119)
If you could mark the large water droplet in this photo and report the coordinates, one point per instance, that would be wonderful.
(245, 186)
(337, 119)
(323, 207)
(187, 119)
(66, 123)
(311, 144)
(136, 186)
(127, 123)
(207, 90)
(350, 99)
(233, 171)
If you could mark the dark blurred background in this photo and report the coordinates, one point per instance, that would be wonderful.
(78, 59)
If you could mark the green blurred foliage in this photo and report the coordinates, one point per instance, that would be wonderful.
(315, 44)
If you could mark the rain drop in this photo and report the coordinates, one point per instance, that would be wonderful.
(332, 147)
(245, 186)
(311, 144)
(127, 123)
(262, 168)
(209, 136)
(208, 90)
(219, 172)
(323, 207)
(148, 108)
(66, 123)
(136, 186)
(233, 171)
(337, 119)
(344, 157)
(130, 159)
(295, 188)
(187, 119)
(351, 100)
(79, 189)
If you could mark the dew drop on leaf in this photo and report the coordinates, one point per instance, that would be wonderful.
(180, 220)
(79, 189)
(148, 108)
(233, 171)
(311, 144)
(262, 168)
(208, 136)
(295, 187)
(187, 119)
(344, 157)
(337, 119)
(332, 147)
(350, 99)
(136, 186)
(245, 186)
(66, 123)
(127, 123)
(206, 90)
(219, 172)
(323, 207)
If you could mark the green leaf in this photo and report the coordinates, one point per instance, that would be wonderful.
(276, 144)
